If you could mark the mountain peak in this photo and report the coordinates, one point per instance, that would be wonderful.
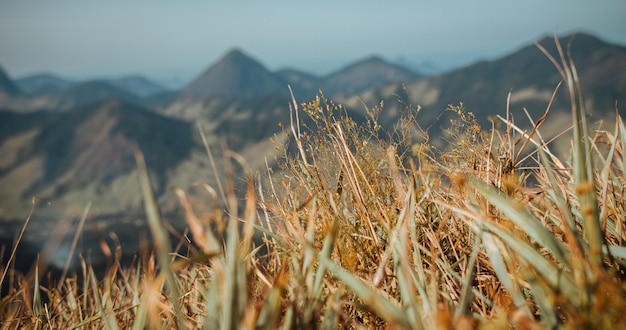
(236, 54)
(580, 37)
(235, 75)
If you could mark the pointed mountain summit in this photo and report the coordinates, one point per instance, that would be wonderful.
(365, 74)
(235, 75)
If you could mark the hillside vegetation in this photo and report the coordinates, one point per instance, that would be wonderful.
(369, 228)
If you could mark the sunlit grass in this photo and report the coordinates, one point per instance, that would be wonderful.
(367, 228)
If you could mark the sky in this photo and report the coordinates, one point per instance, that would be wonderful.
(177, 40)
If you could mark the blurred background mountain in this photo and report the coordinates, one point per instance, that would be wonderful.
(69, 142)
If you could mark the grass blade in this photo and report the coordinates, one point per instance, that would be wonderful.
(523, 219)
(379, 304)
(159, 234)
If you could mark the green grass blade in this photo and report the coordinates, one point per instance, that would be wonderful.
(331, 316)
(107, 318)
(522, 218)
(622, 135)
(37, 303)
(555, 277)
(466, 291)
(545, 299)
(499, 266)
(382, 306)
(556, 194)
(160, 236)
(616, 251)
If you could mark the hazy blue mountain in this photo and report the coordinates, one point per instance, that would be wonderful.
(43, 84)
(56, 94)
(352, 79)
(240, 76)
(365, 74)
(88, 92)
(138, 85)
(235, 75)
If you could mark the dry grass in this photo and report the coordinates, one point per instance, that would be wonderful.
(376, 229)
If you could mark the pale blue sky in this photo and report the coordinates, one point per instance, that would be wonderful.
(179, 39)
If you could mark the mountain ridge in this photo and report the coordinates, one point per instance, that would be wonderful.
(237, 74)
(526, 73)
(43, 84)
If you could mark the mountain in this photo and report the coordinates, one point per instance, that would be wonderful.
(366, 74)
(7, 86)
(86, 154)
(75, 96)
(138, 85)
(354, 78)
(92, 91)
(43, 84)
(235, 75)
(49, 84)
(531, 77)
(50, 92)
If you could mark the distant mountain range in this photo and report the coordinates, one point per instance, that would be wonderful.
(49, 84)
(51, 92)
(527, 73)
(71, 142)
(235, 75)
(239, 75)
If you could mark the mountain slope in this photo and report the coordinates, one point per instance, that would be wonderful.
(73, 157)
